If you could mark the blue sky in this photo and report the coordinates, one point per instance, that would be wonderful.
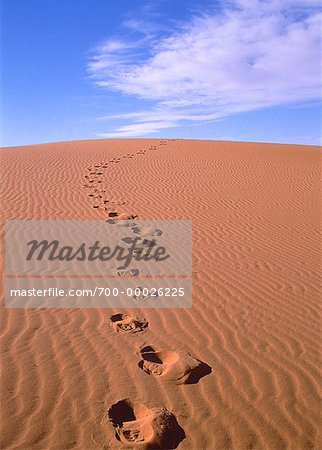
(87, 69)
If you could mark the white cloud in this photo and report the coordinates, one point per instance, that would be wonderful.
(252, 55)
(138, 129)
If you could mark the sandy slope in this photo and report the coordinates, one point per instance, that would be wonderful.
(255, 310)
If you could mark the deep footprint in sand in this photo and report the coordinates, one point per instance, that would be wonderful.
(137, 425)
(123, 323)
(175, 367)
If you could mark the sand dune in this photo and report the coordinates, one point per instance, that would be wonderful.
(255, 317)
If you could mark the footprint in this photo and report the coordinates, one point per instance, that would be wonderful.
(140, 240)
(175, 367)
(124, 223)
(135, 424)
(147, 231)
(144, 294)
(128, 273)
(124, 323)
(124, 216)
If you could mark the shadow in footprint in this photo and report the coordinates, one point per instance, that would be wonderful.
(146, 349)
(136, 424)
(199, 372)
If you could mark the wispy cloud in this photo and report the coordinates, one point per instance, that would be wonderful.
(138, 129)
(253, 54)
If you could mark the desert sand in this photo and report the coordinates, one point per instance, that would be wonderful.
(108, 378)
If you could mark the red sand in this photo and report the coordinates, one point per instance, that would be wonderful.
(254, 321)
